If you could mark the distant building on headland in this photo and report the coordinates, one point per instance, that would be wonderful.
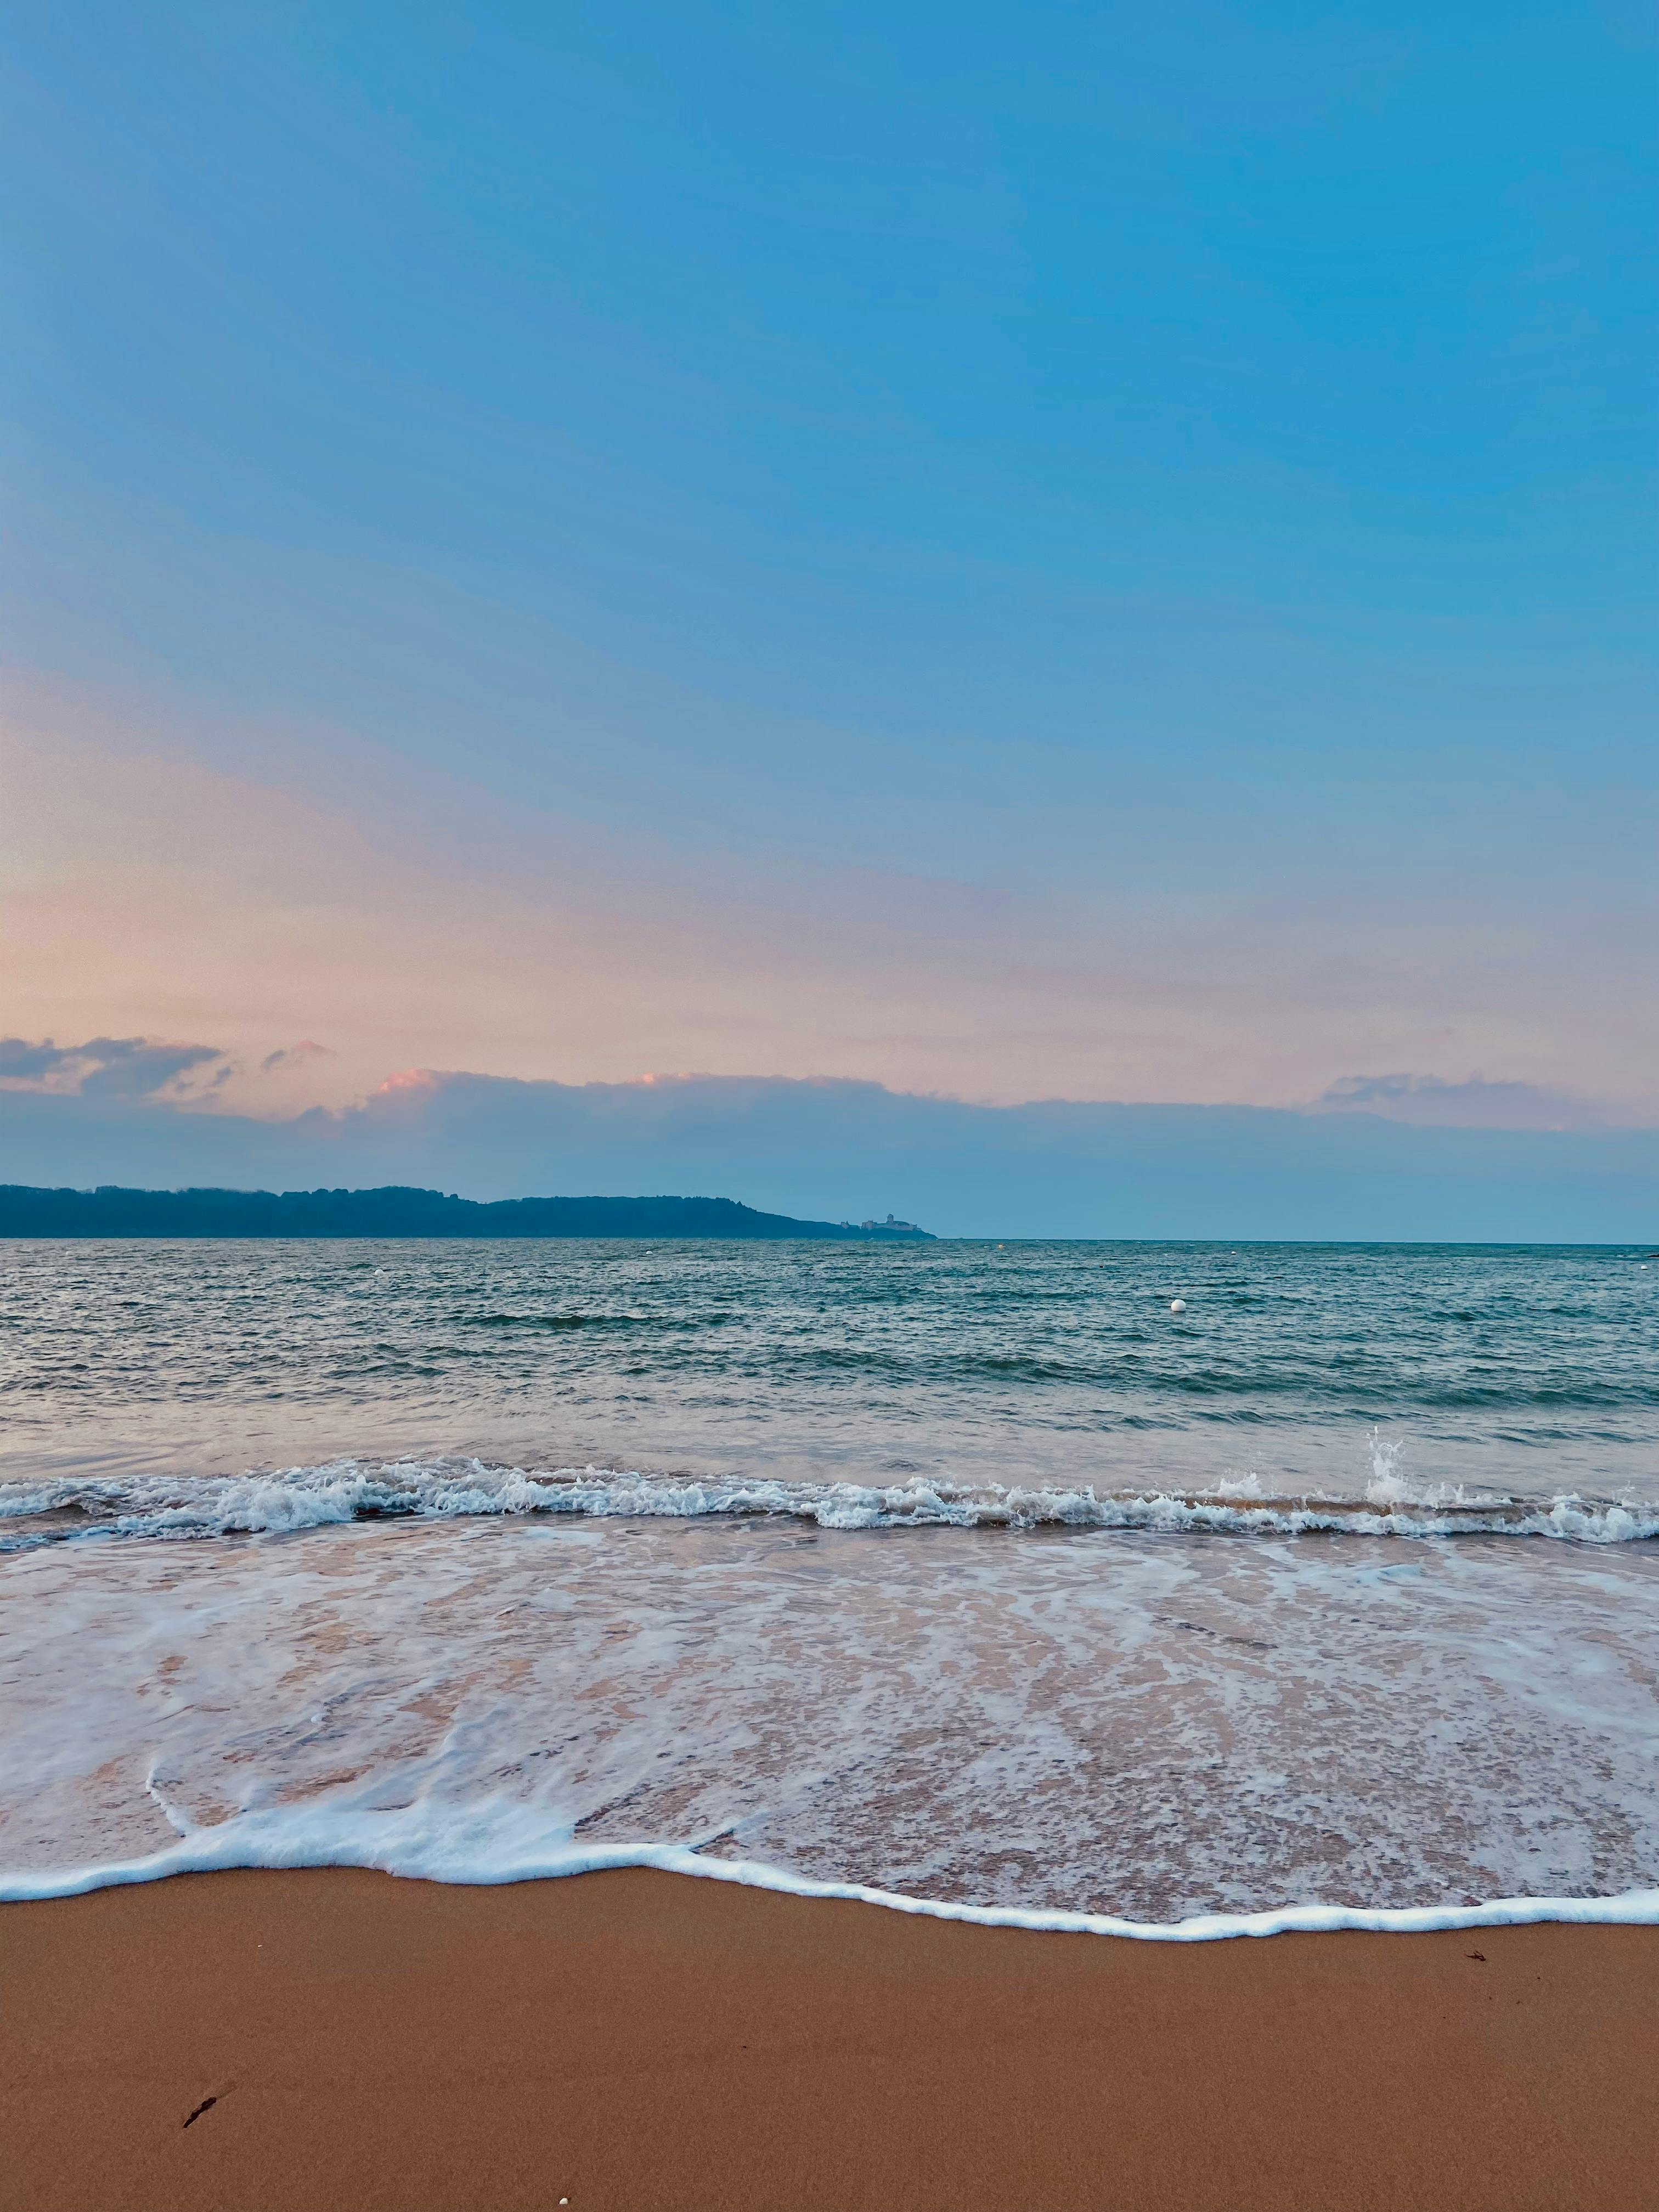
(893, 1222)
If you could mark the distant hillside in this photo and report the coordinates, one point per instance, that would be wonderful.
(111, 1211)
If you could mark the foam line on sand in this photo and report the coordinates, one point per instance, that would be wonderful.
(489, 1844)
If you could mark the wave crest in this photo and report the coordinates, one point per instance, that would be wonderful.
(347, 1490)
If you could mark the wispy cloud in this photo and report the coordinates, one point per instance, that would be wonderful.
(1431, 1102)
(113, 1068)
(290, 1057)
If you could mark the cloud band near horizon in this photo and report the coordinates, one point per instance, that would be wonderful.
(840, 1149)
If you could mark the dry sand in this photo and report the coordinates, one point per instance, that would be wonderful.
(634, 2040)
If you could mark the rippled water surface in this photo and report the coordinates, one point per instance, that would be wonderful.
(969, 1571)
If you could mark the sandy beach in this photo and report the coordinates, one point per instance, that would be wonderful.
(337, 2041)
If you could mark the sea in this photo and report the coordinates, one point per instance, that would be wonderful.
(1177, 1589)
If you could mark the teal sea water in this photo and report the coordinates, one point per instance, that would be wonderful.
(1127, 1580)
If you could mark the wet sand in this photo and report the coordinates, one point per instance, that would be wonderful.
(334, 2041)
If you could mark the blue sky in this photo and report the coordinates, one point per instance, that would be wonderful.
(1096, 552)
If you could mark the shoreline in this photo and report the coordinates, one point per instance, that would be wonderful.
(337, 2040)
(390, 1843)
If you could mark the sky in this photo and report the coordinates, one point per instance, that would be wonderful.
(1079, 553)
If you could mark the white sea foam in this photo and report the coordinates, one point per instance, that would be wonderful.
(1141, 1732)
(494, 1845)
(296, 1498)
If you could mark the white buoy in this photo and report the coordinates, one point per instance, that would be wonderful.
(1177, 1305)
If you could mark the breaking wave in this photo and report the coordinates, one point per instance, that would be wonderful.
(293, 1499)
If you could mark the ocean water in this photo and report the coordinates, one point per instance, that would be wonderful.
(983, 1578)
